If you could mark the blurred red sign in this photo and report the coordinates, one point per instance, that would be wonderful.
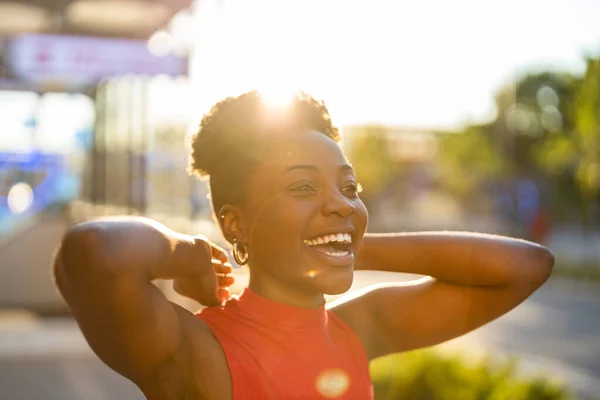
(83, 60)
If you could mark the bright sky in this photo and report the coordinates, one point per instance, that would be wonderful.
(425, 63)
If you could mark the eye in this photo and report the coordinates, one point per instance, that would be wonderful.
(304, 189)
(352, 189)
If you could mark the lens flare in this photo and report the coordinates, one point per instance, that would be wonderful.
(332, 383)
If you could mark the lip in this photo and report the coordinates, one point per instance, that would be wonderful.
(346, 261)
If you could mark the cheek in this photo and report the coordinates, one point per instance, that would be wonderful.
(361, 220)
(281, 215)
(361, 215)
(278, 227)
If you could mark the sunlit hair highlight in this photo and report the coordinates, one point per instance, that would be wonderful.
(234, 135)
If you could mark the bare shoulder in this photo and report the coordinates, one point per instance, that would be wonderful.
(197, 370)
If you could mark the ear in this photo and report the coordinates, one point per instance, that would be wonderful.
(231, 221)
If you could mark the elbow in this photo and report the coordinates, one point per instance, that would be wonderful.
(542, 263)
(78, 253)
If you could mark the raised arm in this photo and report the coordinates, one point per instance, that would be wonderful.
(458, 257)
(105, 268)
(473, 279)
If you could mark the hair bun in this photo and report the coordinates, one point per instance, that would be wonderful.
(236, 128)
(223, 133)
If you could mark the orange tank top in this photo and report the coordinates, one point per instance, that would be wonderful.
(276, 351)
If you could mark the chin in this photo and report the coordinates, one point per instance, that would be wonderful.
(333, 284)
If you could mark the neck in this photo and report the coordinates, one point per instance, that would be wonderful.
(282, 293)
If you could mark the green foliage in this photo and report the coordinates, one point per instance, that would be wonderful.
(576, 149)
(548, 127)
(469, 158)
(429, 375)
(509, 145)
(372, 157)
(529, 111)
(555, 154)
(587, 130)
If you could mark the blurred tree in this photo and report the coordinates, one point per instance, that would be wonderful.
(371, 153)
(468, 160)
(529, 110)
(576, 149)
(547, 128)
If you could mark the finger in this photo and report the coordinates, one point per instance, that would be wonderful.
(222, 276)
(219, 253)
(224, 293)
(221, 268)
(226, 280)
(204, 244)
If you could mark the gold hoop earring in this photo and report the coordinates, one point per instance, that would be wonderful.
(236, 256)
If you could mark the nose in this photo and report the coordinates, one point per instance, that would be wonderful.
(336, 203)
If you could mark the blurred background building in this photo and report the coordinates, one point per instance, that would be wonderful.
(90, 116)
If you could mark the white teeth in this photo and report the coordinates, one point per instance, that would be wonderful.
(338, 254)
(334, 237)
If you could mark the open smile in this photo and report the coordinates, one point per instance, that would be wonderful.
(332, 249)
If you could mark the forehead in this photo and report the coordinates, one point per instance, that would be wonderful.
(308, 147)
(303, 148)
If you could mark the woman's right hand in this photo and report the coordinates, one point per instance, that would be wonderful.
(208, 273)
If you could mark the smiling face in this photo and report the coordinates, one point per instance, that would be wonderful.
(303, 219)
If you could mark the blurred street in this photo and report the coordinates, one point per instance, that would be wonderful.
(555, 332)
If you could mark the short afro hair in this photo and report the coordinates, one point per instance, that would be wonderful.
(233, 137)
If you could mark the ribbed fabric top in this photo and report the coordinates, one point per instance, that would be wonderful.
(280, 315)
(276, 351)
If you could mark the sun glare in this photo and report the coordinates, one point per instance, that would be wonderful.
(277, 97)
(248, 50)
(377, 62)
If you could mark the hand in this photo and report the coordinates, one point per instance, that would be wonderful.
(211, 278)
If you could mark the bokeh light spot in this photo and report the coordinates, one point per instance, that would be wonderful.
(552, 119)
(20, 198)
(546, 96)
(522, 121)
(160, 43)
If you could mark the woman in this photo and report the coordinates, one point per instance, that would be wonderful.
(286, 197)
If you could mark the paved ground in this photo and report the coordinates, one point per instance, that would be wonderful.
(557, 331)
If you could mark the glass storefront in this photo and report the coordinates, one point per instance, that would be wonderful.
(139, 158)
(43, 140)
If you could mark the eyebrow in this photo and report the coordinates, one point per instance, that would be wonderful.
(344, 167)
